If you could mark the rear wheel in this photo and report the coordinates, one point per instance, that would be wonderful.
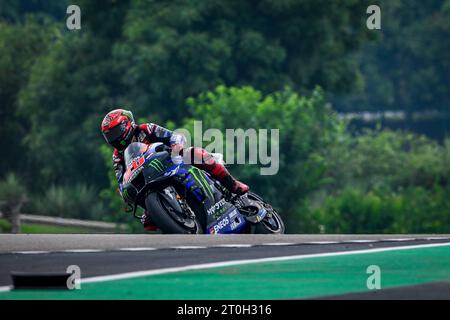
(166, 212)
(272, 222)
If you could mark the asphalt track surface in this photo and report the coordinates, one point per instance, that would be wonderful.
(99, 255)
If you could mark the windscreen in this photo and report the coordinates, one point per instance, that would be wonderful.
(134, 151)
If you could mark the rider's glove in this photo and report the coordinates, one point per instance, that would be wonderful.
(177, 143)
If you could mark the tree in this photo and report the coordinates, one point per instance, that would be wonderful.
(20, 45)
(68, 92)
(18, 10)
(178, 49)
(12, 197)
(408, 68)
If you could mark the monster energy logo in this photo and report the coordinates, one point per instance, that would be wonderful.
(198, 176)
(157, 165)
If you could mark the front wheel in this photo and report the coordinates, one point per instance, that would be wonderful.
(272, 222)
(166, 212)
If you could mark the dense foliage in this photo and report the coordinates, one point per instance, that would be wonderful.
(408, 68)
(228, 63)
(330, 181)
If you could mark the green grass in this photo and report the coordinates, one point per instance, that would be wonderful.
(5, 227)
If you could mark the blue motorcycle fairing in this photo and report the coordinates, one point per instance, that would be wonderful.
(230, 222)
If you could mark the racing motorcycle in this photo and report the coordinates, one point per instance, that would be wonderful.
(181, 198)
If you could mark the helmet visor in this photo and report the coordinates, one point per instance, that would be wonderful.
(114, 134)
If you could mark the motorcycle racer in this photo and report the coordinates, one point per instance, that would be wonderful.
(119, 130)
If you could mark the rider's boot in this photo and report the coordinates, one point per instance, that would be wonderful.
(233, 185)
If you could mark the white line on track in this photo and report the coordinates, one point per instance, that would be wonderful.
(5, 289)
(188, 247)
(82, 250)
(137, 249)
(320, 242)
(233, 246)
(278, 244)
(145, 273)
(30, 252)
